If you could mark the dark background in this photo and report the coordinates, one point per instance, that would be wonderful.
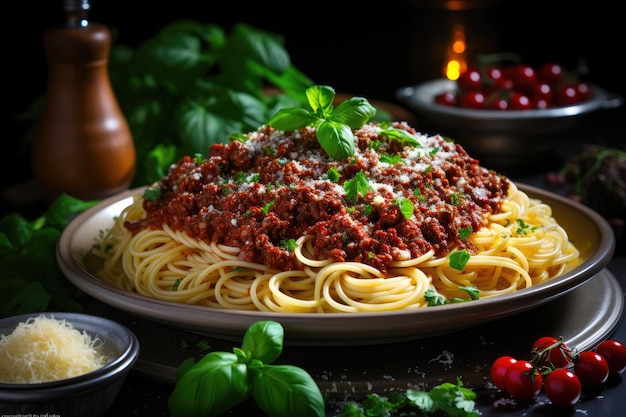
(366, 50)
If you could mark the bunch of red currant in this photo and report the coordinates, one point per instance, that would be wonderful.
(517, 86)
(562, 372)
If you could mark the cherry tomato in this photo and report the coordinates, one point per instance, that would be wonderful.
(498, 371)
(592, 369)
(519, 101)
(494, 78)
(447, 98)
(472, 99)
(523, 76)
(562, 387)
(522, 381)
(542, 104)
(567, 95)
(584, 90)
(551, 72)
(557, 357)
(615, 355)
(470, 80)
(498, 103)
(541, 90)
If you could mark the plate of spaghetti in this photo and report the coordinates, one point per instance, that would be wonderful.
(406, 237)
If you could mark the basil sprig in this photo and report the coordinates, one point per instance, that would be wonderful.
(221, 380)
(333, 124)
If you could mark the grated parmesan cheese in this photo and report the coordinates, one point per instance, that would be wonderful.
(44, 349)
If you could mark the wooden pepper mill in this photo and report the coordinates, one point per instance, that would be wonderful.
(83, 145)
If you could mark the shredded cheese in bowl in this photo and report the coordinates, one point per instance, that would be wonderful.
(44, 349)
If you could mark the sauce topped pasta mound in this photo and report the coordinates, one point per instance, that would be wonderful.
(259, 193)
(269, 222)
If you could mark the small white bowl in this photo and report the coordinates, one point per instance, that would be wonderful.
(87, 395)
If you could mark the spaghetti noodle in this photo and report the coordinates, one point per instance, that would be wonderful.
(270, 223)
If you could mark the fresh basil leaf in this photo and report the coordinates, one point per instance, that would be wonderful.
(402, 136)
(336, 139)
(215, 384)
(264, 341)
(354, 112)
(266, 48)
(17, 229)
(286, 391)
(199, 128)
(321, 99)
(63, 208)
(293, 118)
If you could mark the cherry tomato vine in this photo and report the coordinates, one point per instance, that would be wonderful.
(563, 373)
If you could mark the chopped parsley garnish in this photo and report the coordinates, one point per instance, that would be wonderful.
(464, 232)
(289, 244)
(433, 298)
(406, 207)
(152, 194)
(523, 228)
(458, 259)
(333, 174)
(390, 159)
(267, 206)
(359, 185)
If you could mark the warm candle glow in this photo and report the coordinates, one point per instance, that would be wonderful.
(455, 53)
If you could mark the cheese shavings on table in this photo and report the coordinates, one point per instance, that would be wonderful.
(44, 349)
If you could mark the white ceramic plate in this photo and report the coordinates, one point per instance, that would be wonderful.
(585, 227)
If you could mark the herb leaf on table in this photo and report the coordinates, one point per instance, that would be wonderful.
(30, 277)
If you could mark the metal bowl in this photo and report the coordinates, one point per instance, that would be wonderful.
(500, 137)
(87, 395)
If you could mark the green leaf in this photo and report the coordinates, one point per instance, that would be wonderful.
(354, 112)
(63, 208)
(199, 128)
(16, 229)
(292, 119)
(433, 298)
(264, 340)
(454, 399)
(402, 136)
(287, 391)
(359, 185)
(320, 98)
(336, 139)
(215, 384)
(458, 259)
(406, 207)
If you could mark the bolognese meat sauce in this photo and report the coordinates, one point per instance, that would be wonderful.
(260, 193)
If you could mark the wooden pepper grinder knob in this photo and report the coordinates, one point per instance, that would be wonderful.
(83, 145)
